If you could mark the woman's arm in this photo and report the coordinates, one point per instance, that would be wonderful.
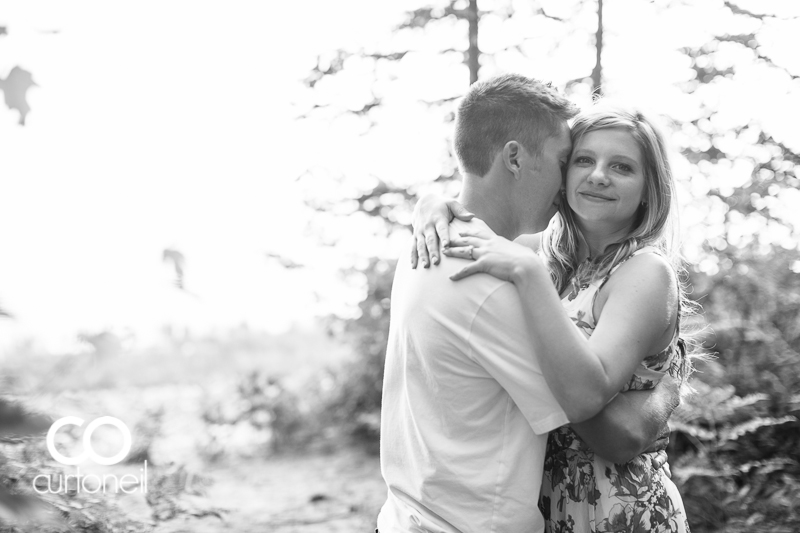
(430, 227)
(584, 374)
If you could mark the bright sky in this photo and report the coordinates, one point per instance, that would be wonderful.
(170, 124)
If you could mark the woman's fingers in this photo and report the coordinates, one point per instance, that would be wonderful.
(432, 243)
(443, 232)
(470, 269)
(459, 211)
(462, 252)
(478, 233)
(659, 459)
(467, 241)
(422, 252)
(414, 253)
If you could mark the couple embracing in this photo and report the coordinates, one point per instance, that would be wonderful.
(529, 380)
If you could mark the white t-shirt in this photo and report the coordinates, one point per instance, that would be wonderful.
(465, 410)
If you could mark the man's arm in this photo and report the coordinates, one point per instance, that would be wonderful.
(631, 422)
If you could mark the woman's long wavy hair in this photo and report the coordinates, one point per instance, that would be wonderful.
(656, 222)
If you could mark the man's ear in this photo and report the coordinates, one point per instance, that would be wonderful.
(512, 151)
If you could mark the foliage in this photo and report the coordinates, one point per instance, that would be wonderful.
(355, 406)
(736, 442)
(263, 413)
(69, 510)
(17, 423)
(173, 492)
(447, 35)
(742, 174)
(15, 87)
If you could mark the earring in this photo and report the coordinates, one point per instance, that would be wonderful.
(644, 203)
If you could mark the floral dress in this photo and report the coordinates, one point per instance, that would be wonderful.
(584, 493)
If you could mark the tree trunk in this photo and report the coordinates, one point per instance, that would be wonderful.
(473, 54)
(597, 71)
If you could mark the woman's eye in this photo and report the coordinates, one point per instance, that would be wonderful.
(582, 160)
(623, 167)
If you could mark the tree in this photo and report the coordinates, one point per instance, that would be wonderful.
(460, 22)
(15, 88)
(597, 71)
(740, 434)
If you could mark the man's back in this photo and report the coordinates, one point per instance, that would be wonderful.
(462, 391)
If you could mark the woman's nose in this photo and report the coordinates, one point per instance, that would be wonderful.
(598, 176)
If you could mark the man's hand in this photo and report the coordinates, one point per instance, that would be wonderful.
(431, 221)
(634, 422)
(659, 451)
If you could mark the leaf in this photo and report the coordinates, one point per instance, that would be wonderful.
(15, 88)
(752, 425)
(685, 473)
(768, 465)
(20, 507)
(18, 421)
(178, 261)
(738, 402)
(694, 431)
(285, 262)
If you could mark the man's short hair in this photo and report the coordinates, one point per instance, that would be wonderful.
(506, 108)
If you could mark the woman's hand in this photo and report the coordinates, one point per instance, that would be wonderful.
(492, 254)
(432, 216)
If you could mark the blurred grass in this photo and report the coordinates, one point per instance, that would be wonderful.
(191, 402)
(293, 356)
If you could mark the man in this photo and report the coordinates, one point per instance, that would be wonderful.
(466, 410)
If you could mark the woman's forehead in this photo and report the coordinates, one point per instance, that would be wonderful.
(614, 138)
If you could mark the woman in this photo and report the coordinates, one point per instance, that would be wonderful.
(608, 266)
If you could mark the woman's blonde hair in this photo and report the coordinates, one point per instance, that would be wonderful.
(656, 222)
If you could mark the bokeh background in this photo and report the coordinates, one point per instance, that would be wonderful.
(202, 204)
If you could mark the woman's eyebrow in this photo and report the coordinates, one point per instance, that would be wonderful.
(628, 159)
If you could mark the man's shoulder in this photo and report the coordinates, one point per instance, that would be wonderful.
(429, 292)
(434, 282)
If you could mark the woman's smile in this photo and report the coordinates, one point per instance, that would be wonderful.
(595, 196)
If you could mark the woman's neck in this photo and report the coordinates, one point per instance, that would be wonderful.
(597, 238)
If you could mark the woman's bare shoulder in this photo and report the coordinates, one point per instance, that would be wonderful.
(649, 276)
(648, 268)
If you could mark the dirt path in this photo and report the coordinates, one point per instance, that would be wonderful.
(341, 492)
(337, 492)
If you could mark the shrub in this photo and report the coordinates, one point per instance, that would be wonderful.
(354, 406)
(736, 442)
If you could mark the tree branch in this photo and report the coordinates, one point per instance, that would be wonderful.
(736, 10)
(541, 12)
(746, 40)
